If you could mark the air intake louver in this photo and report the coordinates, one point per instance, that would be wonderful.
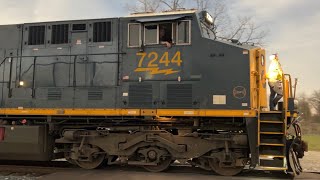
(102, 32)
(60, 34)
(79, 27)
(140, 95)
(95, 95)
(179, 95)
(36, 35)
(54, 94)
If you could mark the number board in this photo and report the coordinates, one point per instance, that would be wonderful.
(156, 63)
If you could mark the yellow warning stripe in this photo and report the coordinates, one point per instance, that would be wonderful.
(206, 113)
(265, 156)
(272, 168)
(129, 112)
(72, 112)
(270, 144)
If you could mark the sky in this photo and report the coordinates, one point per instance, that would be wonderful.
(294, 34)
(294, 26)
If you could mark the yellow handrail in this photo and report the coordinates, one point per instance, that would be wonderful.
(290, 84)
(287, 92)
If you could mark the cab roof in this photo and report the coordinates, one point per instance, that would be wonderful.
(164, 13)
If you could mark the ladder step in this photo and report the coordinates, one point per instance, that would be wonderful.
(268, 127)
(269, 156)
(271, 116)
(266, 168)
(274, 162)
(271, 133)
(272, 139)
(274, 122)
(271, 112)
(272, 150)
(270, 144)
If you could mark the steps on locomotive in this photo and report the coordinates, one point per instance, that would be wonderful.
(272, 141)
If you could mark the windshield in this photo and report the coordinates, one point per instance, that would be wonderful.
(207, 25)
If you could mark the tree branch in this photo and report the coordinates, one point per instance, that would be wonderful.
(244, 29)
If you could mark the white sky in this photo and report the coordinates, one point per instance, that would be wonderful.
(294, 26)
(294, 33)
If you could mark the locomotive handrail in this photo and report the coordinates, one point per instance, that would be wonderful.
(61, 55)
(290, 84)
(295, 88)
(33, 77)
(285, 93)
(3, 60)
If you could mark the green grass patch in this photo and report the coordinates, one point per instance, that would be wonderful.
(313, 141)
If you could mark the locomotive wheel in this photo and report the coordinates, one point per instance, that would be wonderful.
(294, 163)
(202, 163)
(161, 166)
(71, 161)
(97, 160)
(224, 171)
(291, 162)
(68, 158)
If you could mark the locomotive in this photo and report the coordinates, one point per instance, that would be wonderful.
(145, 90)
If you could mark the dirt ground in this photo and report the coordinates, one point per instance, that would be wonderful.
(310, 164)
(311, 161)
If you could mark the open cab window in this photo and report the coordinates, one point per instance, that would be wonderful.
(166, 32)
(177, 33)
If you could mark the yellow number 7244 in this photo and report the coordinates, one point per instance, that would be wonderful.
(154, 61)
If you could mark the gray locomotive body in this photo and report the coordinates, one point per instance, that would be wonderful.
(92, 64)
(142, 90)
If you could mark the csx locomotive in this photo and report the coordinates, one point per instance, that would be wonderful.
(146, 90)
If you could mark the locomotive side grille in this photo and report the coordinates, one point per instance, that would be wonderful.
(36, 35)
(102, 32)
(54, 94)
(79, 27)
(95, 95)
(140, 95)
(60, 34)
(179, 95)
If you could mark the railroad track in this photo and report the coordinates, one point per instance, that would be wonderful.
(36, 169)
(31, 171)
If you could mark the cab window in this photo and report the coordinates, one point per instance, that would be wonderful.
(165, 32)
(178, 33)
(151, 34)
(183, 32)
(158, 33)
(134, 35)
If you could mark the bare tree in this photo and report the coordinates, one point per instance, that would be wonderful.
(315, 102)
(219, 12)
(203, 4)
(247, 31)
(308, 108)
(304, 108)
(144, 6)
(172, 4)
(155, 5)
(243, 29)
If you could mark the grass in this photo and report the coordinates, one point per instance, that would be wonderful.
(313, 142)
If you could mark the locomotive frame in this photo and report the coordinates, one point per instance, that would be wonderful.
(94, 90)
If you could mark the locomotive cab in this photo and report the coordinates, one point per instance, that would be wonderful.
(179, 50)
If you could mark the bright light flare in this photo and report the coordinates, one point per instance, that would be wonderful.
(209, 18)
